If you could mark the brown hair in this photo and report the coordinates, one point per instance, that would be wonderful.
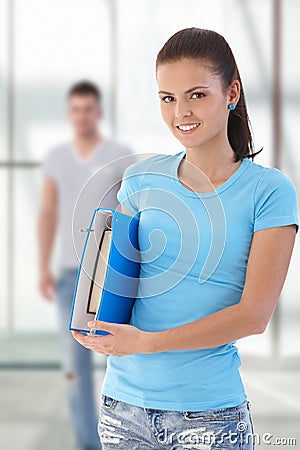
(212, 48)
(85, 87)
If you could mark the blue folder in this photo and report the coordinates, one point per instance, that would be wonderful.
(119, 290)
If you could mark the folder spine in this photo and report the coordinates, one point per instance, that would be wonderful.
(78, 274)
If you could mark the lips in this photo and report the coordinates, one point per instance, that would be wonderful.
(188, 128)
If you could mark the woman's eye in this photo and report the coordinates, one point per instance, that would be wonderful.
(198, 94)
(167, 99)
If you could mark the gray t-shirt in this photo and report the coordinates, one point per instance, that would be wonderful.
(82, 186)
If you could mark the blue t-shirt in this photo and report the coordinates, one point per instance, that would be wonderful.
(194, 252)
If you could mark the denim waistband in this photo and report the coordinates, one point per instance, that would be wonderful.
(229, 409)
(237, 408)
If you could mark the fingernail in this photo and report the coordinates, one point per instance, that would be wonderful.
(91, 323)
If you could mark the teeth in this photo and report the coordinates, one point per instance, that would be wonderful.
(188, 127)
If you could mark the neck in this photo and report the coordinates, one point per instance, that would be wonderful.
(86, 143)
(213, 158)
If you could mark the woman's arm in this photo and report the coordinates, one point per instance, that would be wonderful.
(267, 267)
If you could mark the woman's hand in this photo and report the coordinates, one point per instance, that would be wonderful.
(123, 339)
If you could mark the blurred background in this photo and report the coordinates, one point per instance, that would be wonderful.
(45, 46)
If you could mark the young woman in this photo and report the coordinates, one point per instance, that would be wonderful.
(216, 236)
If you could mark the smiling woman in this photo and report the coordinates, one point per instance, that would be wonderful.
(173, 372)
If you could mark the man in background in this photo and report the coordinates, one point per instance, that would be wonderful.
(72, 187)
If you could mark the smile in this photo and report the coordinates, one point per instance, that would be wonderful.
(188, 129)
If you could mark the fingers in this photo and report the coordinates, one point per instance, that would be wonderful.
(112, 328)
(46, 293)
(47, 288)
(83, 340)
(90, 342)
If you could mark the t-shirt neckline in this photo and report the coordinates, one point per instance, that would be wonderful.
(88, 160)
(185, 191)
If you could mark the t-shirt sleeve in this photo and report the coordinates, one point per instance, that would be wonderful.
(49, 165)
(275, 201)
(128, 194)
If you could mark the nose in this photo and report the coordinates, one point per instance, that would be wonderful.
(182, 110)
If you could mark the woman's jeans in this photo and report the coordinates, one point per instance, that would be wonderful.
(128, 427)
(77, 367)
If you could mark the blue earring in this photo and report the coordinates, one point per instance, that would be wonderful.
(231, 106)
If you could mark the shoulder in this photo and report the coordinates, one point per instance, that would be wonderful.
(264, 179)
(138, 175)
(119, 148)
(56, 152)
(272, 179)
(120, 154)
(157, 163)
(55, 158)
(275, 200)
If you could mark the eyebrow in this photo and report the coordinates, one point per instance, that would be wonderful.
(186, 92)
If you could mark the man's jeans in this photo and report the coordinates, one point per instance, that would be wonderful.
(128, 427)
(77, 367)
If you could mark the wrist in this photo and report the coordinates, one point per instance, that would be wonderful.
(149, 342)
(44, 270)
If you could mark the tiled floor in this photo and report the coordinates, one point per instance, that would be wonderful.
(33, 414)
